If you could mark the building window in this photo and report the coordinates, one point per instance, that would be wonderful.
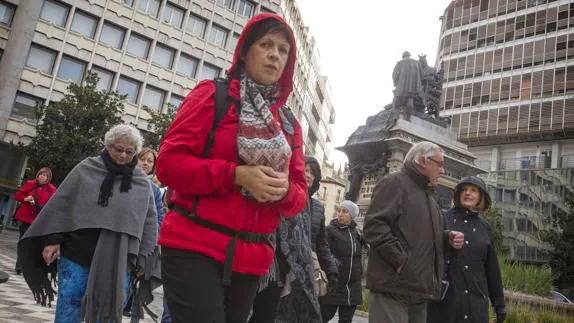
(6, 13)
(129, 3)
(84, 24)
(1, 52)
(196, 26)
(71, 69)
(55, 12)
(41, 59)
(187, 65)
(218, 35)
(112, 35)
(173, 15)
(25, 107)
(176, 100)
(226, 3)
(130, 88)
(153, 98)
(151, 7)
(246, 8)
(233, 42)
(209, 72)
(263, 9)
(106, 79)
(163, 56)
(138, 46)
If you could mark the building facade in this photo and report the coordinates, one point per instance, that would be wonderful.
(331, 190)
(311, 98)
(153, 51)
(509, 90)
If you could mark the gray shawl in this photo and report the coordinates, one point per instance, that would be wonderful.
(127, 239)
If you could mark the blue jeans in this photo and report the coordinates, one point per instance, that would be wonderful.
(72, 281)
(165, 317)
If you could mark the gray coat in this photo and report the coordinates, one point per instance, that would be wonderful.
(404, 227)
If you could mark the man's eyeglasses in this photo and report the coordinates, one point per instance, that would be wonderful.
(439, 163)
(120, 150)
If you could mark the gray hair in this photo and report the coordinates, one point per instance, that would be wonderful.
(124, 131)
(420, 150)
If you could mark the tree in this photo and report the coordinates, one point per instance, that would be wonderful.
(560, 236)
(494, 219)
(73, 128)
(158, 125)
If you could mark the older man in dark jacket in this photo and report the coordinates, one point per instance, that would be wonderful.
(404, 228)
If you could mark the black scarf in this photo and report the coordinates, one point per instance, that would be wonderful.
(114, 169)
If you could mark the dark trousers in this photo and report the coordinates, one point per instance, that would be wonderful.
(265, 304)
(346, 312)
(395, 308)
(195, 293)
(23, 228)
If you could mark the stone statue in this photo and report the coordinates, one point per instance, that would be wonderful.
(418, 87)
(408, 82)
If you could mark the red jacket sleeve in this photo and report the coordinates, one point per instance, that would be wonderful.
(24, 191)
(179, 165)
(294, 202)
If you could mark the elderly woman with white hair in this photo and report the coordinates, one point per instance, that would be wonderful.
(99, 227)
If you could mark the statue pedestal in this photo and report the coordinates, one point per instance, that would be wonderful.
(379, 147)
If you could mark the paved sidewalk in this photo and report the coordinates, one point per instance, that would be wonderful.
(18, 306)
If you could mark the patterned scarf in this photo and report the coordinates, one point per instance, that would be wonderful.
(260, 140)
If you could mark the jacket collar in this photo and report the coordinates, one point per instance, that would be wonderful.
(420, 179)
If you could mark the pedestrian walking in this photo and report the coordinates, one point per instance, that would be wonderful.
(346, 245)
(100, 227)
(289, 294)
(473, 271)
(231, 178)
(33, 195)
(404, 228)
(146, 161)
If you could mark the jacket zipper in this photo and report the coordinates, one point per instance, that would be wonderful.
(350, 267)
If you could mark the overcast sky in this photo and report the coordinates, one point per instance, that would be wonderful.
(360, 42)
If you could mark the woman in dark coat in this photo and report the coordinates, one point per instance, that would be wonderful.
(346, 245)
(472, 272)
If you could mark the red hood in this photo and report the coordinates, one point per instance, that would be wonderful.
(286, 80)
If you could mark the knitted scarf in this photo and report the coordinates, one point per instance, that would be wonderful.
(260, 140)
(126, 171)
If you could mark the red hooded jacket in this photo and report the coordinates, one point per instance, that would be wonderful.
(27, 212)
(213, 179)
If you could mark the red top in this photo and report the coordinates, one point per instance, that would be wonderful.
(27, 212)
(213, 179)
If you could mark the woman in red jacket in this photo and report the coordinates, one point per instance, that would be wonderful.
(225, 205)
(32, 197)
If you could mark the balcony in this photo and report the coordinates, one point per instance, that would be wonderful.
(530, 162)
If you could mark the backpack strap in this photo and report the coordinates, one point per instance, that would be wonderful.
(222, 102)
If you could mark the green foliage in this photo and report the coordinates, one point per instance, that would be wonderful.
(72, 128)
(365, 306)
(560, 236)
(529, 279)
(158, 125)
(494, 217)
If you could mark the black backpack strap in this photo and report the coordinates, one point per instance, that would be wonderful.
(222, 102)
